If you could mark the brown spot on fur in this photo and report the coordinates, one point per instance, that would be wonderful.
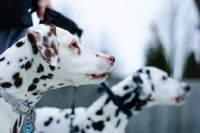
(45, 42)
(58, 60)
(2, 59)
(6, 85)
(15, 129)
(40, 47)
(49, 34)
(53, 46)
(48, 54)
(53, 29)
(33, 40)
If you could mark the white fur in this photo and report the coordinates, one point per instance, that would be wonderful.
(72, 69)
(165, 92)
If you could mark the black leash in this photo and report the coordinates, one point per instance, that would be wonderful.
(105, 85)
(72, 128)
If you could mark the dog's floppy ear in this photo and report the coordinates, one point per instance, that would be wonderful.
(43, 39)
(143, 81)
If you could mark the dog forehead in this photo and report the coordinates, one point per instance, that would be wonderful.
(156, 71)
(64, 36)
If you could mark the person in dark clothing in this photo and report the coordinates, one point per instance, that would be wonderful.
(15, 19)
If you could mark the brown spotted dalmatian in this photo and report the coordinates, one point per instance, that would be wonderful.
(147, 87)
(47, 58)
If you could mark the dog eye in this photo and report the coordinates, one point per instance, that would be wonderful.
(164, 78)
(74, 44)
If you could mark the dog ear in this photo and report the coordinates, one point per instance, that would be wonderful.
(143, 81)
(43, 39)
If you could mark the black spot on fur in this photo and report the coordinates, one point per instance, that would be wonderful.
(35, 93)
(32, 87)
(6, 85)
(148, 73)
(126, 87)
(52, 68)
(3, 58)
(19, 44)
(20, 120)
(22, 66)
(107, 101)
(76, 129)
(61, 84)
(44, 85)
(89, 118)
(140, 71)
(30, 103)
(48, 122)
(15, 129)
(58, 67)
(66, 116)
(44, 77)
(35, 80)
(20, 60)
(152, 87)
(99, 112)
(88, 127)
(40, 68)
(137, 79)
(28, 65)
(16, 76)
(18, 82)
(117, 112)
(98, 125)
(108, 118)
(118, 122)
(58, 121)
(82, 131)
(8, 63)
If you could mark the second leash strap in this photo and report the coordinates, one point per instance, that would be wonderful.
(72, 128)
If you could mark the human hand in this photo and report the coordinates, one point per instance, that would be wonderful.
(43, 4)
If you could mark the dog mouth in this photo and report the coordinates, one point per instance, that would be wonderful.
(179, 99)
(97, 76)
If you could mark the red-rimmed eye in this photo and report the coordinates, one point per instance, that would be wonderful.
(74, 44)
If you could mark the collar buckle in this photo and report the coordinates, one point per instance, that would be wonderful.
(21, 107)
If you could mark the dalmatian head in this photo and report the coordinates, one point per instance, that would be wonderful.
(60, 49)
(155, 87)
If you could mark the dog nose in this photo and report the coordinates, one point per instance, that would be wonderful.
(112, 58)
(187, 88)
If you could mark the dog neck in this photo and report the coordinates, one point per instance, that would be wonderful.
(105, 110)
(26, 76)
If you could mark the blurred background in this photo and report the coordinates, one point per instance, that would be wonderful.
(161, 33)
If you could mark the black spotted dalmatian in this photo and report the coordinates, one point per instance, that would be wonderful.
(48, 57)
(147, 87)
